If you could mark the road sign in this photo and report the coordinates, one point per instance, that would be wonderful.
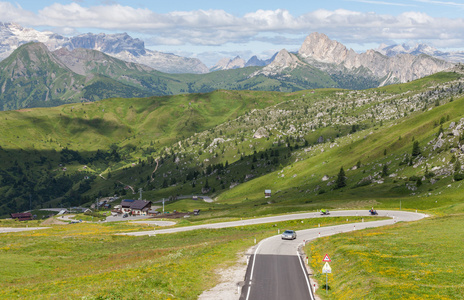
(326, 269)
(327, 258)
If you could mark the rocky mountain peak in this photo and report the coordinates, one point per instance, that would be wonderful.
(318, 46)
(282, 60)
(227, 64)
(109, 43)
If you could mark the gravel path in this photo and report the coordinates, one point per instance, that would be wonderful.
(11, 229)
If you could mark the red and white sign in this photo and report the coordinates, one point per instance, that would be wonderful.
(327, 258)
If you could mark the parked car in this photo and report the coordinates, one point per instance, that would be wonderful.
(289, 235)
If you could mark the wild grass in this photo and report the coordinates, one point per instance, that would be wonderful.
(419, 260)
(89, 261)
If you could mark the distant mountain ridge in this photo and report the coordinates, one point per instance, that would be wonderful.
(393, 50)
(238, 62)
(49, 78)
(119, 45)
(334, 58)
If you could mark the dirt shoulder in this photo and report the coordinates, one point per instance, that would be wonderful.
(230, 277)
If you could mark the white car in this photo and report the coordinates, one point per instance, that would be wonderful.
(289, 235)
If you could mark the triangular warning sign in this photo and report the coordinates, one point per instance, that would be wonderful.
(326, 268)
(327, 258)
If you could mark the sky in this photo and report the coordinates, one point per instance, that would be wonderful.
(211, 30)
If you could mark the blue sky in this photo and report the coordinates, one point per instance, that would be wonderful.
(210, 30)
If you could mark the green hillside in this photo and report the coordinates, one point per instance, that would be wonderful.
(70, 155)
(37, 145)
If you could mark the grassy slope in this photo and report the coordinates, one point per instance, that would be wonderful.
(88, 260)
(367, 150)
(97, 125)
(418, 260)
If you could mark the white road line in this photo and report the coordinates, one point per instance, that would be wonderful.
(253, 266)
(305, 275)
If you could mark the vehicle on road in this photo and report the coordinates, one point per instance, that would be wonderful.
(289, 235)
(125, 215)
(325, 212)
(373, 212)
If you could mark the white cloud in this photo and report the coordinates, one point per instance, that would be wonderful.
(381, 3)
(217, 27)
(12, 13)
(447, 3)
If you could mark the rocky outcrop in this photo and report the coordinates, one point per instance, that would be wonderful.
(260, 133)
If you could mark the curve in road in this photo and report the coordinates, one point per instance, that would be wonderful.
(276, 267)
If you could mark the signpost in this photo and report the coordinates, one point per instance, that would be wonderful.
(326, 269)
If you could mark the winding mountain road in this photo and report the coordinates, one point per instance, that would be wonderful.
(276, 269)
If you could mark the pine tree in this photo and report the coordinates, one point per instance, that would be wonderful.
(457, 166)
(415, 149)
(341, 178)
(385, 170)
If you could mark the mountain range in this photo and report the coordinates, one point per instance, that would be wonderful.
(393, 50)
(36, 75)
(119, 45)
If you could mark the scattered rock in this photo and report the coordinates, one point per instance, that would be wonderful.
(261, 132)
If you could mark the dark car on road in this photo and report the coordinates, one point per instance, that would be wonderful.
(289, 235)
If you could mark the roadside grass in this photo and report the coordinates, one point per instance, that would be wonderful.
(418, 260)
(87, 260)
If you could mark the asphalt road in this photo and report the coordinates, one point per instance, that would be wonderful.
(276, 269)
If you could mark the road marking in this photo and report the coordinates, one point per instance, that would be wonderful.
(253, 266)
(305, 275)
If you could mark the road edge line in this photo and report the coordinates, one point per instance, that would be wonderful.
(305, 274)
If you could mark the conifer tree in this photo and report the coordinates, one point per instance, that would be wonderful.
(341, 178)
(415, 149)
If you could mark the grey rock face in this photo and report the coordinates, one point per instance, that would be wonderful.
(401, 68)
